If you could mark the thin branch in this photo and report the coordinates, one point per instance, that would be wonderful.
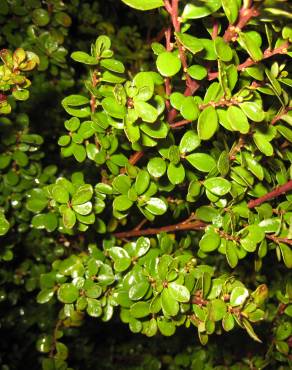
(237, 147)
(182, 226)
(180, 123)
(277, 240)
(191, 84)
(283, 49)
(221, 103)
(244, 17)
(272, 194)
(135, 157)
(54, 337)
(215, 29)
(280, 115)
(167, 80)
(93, 99)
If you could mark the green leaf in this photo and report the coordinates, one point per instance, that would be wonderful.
(210, 241)
(145, 85)
(68, 293)
(4, 224)
(60, 194)
(238, 296)
(146, 111)
(138, 291)
(201, 161)
(166, 327)
(113, 108)
(47, 221)
(284, 330)
(176, 173)
(69, 218)
(189, 142)
(176, 100)
(170, 305)
(93, 308)
(223, 163)
(253, 111)
(217, 309)
(255, 235)
(37, 201)
(275, 84)
(156, 206)
(237, 119)
(121, 258)
(207, 123)
(254, 166)
(122, 203)
(144, 5)
(197, 72)
(76, 101)
(113, 65)
(250, 330)
(285, 132)
(142, 182)
(263, 144)
(122, 184)
(191, 43)
(82, 195)
(168, 64)
(247, 43)
(200, 8)
(270, 225)
(228, 321)
(156, 167)
(286, 255)
(179, 292)
(72, 124)
(157, 131)
(45, 296)
(132, 131)
(189, 109)
(231, 254)
(83, 209)
(222, 49)
(231, 9)
(140, 309)
(218, 185)
(142, 246)
(82, 57)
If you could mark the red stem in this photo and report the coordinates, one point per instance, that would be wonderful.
(249, 62)
(196, 225)
(272, 194)
(277, 240)
(245, 15)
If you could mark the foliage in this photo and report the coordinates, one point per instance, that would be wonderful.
(162, 201)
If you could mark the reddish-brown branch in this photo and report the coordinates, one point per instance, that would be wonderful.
(93, 99)
(215, 29)
(180, 123)
(279, 240)
(191, 85)
(237, 147)
(280, 114)
(167, 81)
(159, 36)
(249, 62)
(244, 17)
(272, 194)
(135, 157)
(221, 103)
(182, 226)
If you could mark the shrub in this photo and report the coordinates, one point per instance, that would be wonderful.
(163, 200)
